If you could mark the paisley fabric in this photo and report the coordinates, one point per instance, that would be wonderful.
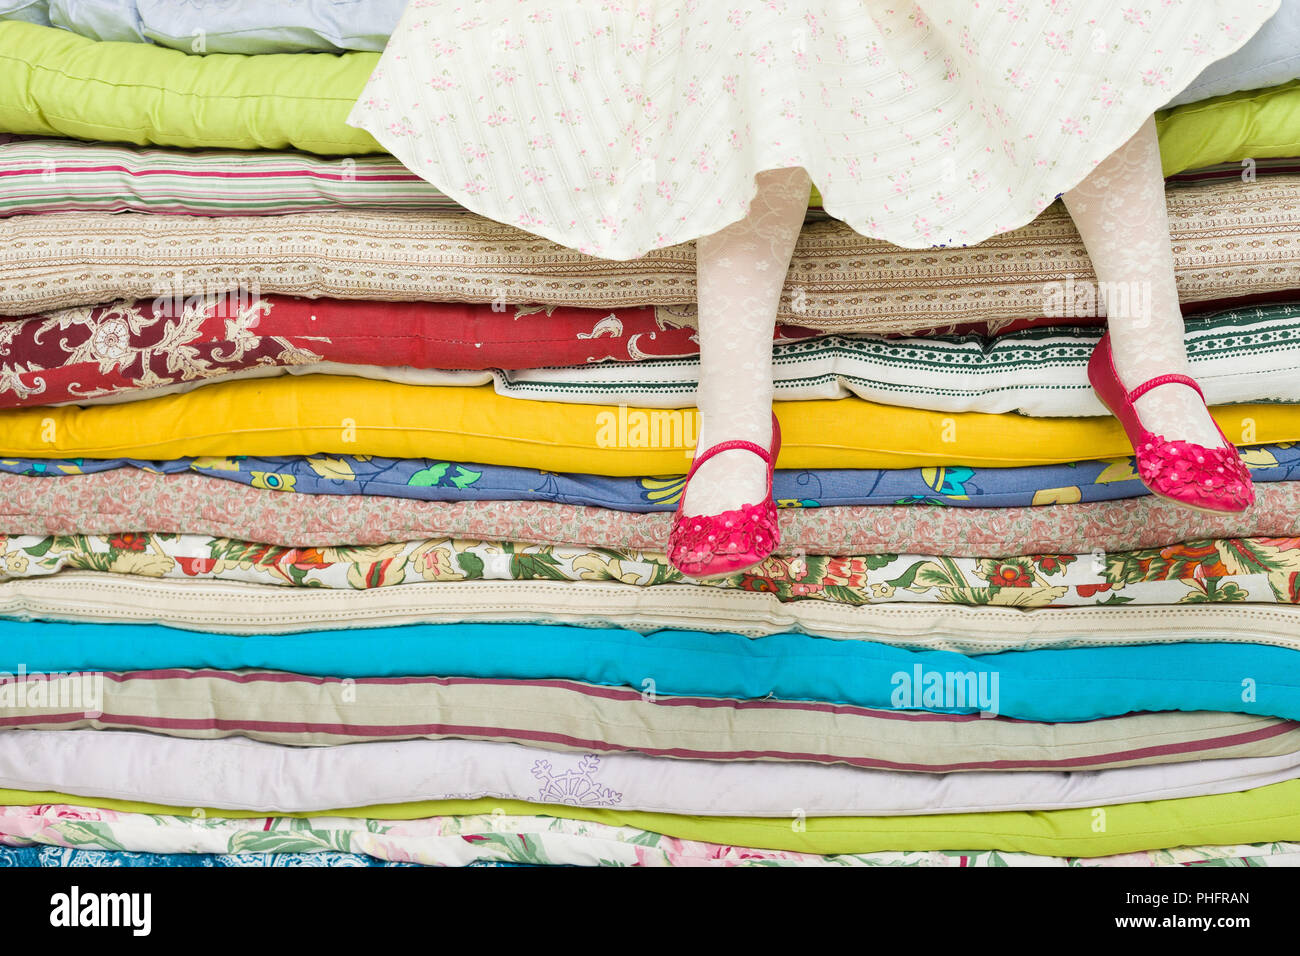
(134, 350)
(131, 347)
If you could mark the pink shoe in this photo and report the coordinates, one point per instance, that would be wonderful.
(710, 546)
(1206, 479)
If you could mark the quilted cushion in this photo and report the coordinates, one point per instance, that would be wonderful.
(55, 82)
(1254, 124)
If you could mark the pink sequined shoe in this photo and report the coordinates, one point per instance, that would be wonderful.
(712, 546)
(1206, 479)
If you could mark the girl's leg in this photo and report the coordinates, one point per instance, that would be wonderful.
(1120, 213)
(741, 271)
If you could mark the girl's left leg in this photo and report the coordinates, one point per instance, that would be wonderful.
(1120, 212)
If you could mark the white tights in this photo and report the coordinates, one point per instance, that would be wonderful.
(1119, 210)
(740, 272)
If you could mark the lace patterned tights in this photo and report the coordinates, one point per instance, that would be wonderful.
(741, 271)
(1120, 212)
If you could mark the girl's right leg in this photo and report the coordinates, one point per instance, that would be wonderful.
(741, 271)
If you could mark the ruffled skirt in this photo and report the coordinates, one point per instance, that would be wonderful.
(618, 127)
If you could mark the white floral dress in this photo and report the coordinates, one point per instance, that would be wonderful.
(618, 127)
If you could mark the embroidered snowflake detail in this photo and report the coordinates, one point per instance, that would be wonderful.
(574, 787)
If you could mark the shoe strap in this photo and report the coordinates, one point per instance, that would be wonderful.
(734, 445)
(1159, 380)
(737, 445)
